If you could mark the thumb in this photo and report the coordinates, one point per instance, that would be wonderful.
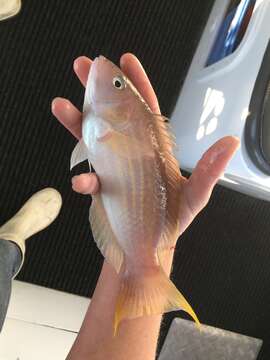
(210, 168)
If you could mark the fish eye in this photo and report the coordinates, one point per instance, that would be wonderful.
(119, 83)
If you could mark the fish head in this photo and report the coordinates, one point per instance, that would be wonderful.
(109, 91)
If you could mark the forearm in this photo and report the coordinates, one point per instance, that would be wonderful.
(136, 339)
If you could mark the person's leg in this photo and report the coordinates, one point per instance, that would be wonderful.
(10, 262)
(35, 215)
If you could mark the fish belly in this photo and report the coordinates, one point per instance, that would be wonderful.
(130, 191)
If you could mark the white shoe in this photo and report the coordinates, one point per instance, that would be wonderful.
(9, 8)
(40, 210)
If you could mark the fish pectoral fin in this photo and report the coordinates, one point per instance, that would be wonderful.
(152, 294)
(79, 154)
(103, 234)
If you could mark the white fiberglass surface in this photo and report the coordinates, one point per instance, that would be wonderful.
(214, 101)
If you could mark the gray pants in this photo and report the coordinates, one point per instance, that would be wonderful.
(10, 261)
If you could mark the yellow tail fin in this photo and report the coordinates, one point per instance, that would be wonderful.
(153, 294)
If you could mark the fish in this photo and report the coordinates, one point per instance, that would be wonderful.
(135, 217)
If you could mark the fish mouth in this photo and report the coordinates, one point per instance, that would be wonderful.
(100, 67)
(95, 68)
(98, 59)
(101, 57)
(95, 64)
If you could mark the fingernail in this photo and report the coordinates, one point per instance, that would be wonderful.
(216, 154)
(238, 141)
(95, 188)
(91, 187)
(75, 64)
(73, 179)
(53, 104)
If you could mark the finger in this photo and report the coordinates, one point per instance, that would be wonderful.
(134, 70)
(198, 189)
(85, 183)
(81, 68)
(68, 115)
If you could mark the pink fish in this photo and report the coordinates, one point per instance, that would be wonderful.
(135, 217)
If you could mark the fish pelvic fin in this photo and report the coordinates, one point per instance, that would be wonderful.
(103, 234)
(79, 154)
(153, 294)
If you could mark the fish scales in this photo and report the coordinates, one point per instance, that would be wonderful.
(135, 216)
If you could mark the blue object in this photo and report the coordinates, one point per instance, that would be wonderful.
(227, 39)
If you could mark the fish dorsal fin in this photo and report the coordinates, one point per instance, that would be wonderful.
(164, 126)
(103, 234)
(171, 172)
(79, 154)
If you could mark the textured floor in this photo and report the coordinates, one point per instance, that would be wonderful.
(208, 343)
(222, 261)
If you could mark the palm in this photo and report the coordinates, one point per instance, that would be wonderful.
(197, 189)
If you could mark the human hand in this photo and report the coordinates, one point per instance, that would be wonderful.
(196, 190)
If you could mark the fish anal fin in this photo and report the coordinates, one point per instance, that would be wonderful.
(103, 234)
(169, 235)
(164, 255)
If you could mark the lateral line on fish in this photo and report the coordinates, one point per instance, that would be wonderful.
(142, 183)
(132, 176)
(125, 189)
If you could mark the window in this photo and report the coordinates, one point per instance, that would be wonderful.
(232, 29)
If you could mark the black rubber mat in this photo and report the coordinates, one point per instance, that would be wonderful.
(222, 262)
